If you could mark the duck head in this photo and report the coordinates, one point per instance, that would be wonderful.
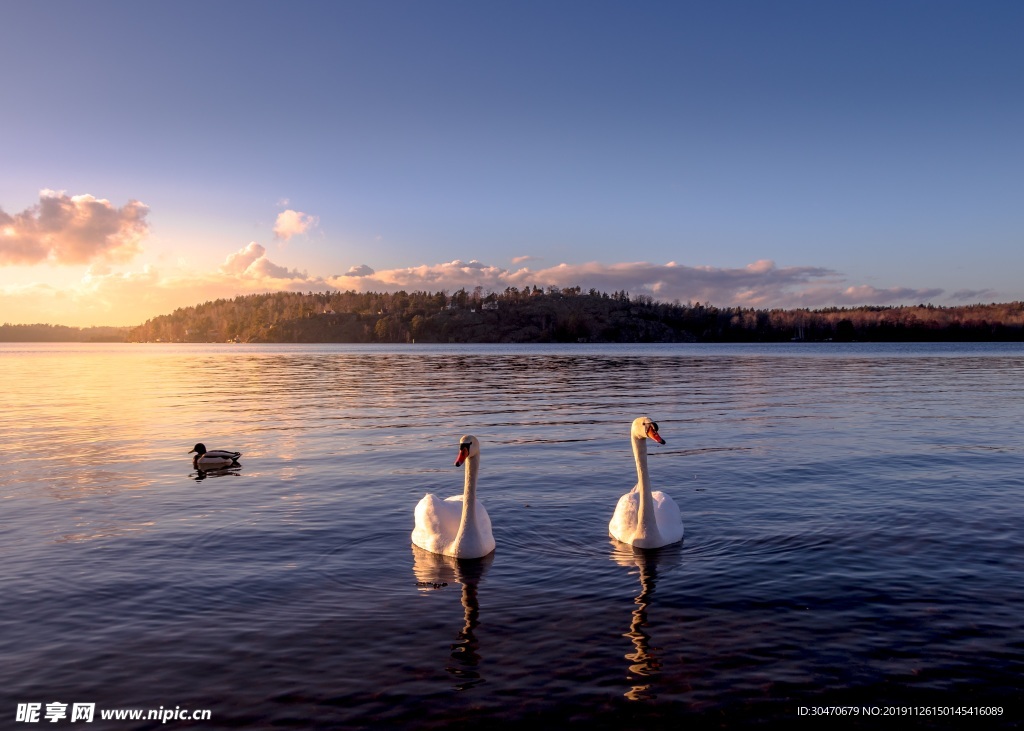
(199, 449)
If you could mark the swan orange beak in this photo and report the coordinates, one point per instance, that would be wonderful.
(652, 433)
(463, 453)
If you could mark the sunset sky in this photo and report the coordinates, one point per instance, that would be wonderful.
(156, 155)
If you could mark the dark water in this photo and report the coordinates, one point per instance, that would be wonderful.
(852, 513)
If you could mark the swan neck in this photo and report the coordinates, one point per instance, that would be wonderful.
(645, 515)
(472, 470)
(469, 495)
(640, 455)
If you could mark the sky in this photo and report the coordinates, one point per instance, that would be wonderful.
(744, 153)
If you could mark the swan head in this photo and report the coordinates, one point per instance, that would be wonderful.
(469, 446)
(646, 428)
(199, 449)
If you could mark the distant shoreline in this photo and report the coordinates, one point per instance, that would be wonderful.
(533, 315)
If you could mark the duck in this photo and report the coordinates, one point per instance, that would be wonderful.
(457, 526)
(216, 459)
(645, 518)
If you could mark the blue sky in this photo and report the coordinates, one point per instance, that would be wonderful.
(155, 155)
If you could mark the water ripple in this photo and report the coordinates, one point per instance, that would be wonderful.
(851, 516)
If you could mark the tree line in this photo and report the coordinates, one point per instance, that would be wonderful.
(533, 315)
(40, 333)
(536, 315)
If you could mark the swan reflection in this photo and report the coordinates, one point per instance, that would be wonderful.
(434, 571)
(645, 663)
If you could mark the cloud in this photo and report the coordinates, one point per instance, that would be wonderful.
(761, 284)
(264, 269)
(239, 261)
(859, 295)
(78, 229)
(524, 259)
(108, 297)
(450, 275)
(974, 295)
(290, 223)
(251, 263)
(762, 265)
(359, 271)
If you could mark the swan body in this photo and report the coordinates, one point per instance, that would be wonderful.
(645, 518)
(457, 526)
(216, 459)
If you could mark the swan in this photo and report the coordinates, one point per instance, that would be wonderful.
(644, 518)
(457, 526)
(216, 459)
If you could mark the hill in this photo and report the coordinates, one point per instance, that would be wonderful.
(532, 315)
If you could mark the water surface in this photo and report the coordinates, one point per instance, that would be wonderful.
(852, 518)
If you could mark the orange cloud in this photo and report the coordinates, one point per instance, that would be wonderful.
(105, 297)
(79, 229)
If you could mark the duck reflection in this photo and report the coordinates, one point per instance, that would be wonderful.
(200, 475)
(644, 661)
(434, 571)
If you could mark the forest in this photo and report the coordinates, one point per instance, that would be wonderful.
(533, 315)
(61, 334)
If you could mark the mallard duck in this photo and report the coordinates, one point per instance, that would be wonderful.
(217, 459)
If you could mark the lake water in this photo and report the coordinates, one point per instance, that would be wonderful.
(852, 513)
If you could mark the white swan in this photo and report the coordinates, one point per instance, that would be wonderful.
(458, 526)
(645, 518)
(216, 459)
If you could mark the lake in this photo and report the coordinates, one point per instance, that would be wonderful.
(852, 515)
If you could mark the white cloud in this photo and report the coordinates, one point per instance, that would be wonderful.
(291, 223)
(524, 259)
(251, 263)
(263, 269)
(359, 271)
(239, 261)
(78, 229)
